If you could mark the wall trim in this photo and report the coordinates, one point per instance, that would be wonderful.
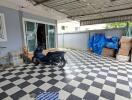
(37, 21)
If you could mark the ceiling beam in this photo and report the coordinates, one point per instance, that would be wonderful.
(101, 12)
(50, 7)
(38, 3)
(75, 8)
(64, 4)
(122, 18)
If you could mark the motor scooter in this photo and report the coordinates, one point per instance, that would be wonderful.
(51, 58)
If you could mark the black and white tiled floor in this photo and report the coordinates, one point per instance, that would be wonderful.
(85, 77)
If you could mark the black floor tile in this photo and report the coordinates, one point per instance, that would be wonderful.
(8, 86)
(83, 86)
(53, 89)
(98, 85)
(24, 84)
(107, 95)
(18, 95)
(110, 83)
(73, 97)
(90, 96)
(39, 83)
(123, 93)
(14, 79)
(53, 81)
(3, 95)
(40, 76)
(69, 88)
(79, 79)
(28, 77)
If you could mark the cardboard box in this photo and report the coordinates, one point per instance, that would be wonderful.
(108, 52)
(89, 50)
(30, 56)
(122, 58)
(126, 46)
(131, 55)
(125, 39)
(124, 52)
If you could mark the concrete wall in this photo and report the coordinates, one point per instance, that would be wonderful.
(79, 40)
(109, 32)
(14, 28)
(12, 23)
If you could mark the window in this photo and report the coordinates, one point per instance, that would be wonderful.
(77, 28)
(3, 36)
(63, 27)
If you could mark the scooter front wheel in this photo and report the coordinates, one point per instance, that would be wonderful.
(61, 62)
(35, 61)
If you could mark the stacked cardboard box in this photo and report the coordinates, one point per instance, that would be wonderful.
(15, 58)
(124, 51)
(122, 58)
(131, 55)
(126, 45)
(107, 52)
(89, 50)
(4, 60)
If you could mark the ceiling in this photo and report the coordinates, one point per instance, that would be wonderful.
(89, 9)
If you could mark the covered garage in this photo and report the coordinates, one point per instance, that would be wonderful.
(87, 74)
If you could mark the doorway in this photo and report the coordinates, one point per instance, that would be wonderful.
(41, 36)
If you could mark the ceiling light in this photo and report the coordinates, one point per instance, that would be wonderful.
(82, 0)
(112, 0)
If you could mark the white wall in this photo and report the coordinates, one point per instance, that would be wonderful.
(71, 25)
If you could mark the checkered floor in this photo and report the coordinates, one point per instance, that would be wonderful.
(85, 77)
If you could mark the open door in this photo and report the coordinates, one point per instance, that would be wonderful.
(30, 35)
(41, 35)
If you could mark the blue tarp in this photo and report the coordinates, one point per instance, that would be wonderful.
(98, 41)
(112, 43)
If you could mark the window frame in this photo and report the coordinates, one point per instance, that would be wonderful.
(4, 28)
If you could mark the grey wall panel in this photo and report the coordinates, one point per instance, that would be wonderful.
(76, 41)
(109, 32)
(60, 41)
(12, 22)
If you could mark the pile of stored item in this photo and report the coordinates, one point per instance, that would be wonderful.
(125, 49)
(111, 47)
(102, 45)
(108, 52)
(15, 58)
(27, 56)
